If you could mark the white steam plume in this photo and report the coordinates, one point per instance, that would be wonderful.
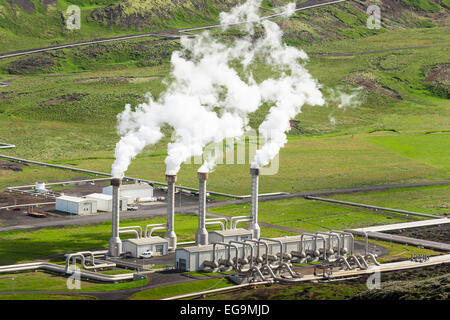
(208, 100)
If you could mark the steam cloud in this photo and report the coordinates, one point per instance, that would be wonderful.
(207, 100)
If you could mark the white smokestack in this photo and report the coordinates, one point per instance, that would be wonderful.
(115, 244)
(254, 226)
(170, 234)
(201, 236)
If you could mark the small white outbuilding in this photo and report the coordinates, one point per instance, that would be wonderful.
(104, 201)
(76, 205)
(133, 192)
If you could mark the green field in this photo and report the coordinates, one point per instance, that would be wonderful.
(182, 288)
(43, 281)
(51, 243)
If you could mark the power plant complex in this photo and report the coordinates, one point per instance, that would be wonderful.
(233, 248)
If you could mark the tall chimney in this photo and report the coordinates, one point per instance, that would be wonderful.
(201, 236)
(170, 234)
(115, 244)
(254, 226)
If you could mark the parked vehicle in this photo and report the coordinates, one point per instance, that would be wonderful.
(146, 255)
(132, 208)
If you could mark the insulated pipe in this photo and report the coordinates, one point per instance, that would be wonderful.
(276, 241)
(241, 220)
(238, 217)
(154, 229)
(243, 250)
(372, 256)
(257, 248)
(330, 250)
(265, 245)
(302, 249)
(153, 225)
(210, 223)
(226, 245)
(366, 247)
(339, 243)
(317, 252)
(130, 231)
(133, 227)
(219, 219)
(344, 233)
(115, 244)
(170, 233)
(254, 226)
(201, 236)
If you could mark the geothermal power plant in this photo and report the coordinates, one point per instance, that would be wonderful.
(234, 248)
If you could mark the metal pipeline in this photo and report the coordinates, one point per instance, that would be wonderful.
(219, 219)
(302, 244)
(130, 231)
(226, 245)
(258, 259)
(241, 220)
(366, 248)
(154, 229)
(210, 223)
(133, 227)
(258, 272)
(366, 266)
(355, 259)
(330, 250)
(344, 233)
(243, 250)
(238, 217)
(276, 241)
(153, 225)
(372, 256)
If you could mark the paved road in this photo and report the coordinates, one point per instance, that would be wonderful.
(168, 34)
(160, 210)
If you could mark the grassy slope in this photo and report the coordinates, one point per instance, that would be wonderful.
(19, 246)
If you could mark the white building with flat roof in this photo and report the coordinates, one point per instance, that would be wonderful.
(76, 205)
(104, 201)
(133, 192)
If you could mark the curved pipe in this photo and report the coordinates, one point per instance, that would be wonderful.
(241, 220)
(133, 227)
(58, 268)
(131, 231)
(258, 250)
(219, 219)
(281, 247)
(258, 272)
(374, 259)
(325, 243)
(355, 259)
(153, 225)
(344, 233)
(210, 223)
(243, 250)
(342, 258)
(156, 228)
(226, 245)
(339, 254)
(302, 244)
(366, 248)
(366, 266)
(237, 217)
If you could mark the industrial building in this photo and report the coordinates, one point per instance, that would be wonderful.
(136, 192)
(76, 205)
(135, 247)
(104, 202)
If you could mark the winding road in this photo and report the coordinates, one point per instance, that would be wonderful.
(166, 35)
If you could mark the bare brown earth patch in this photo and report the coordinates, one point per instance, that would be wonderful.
(116, 79)
(368, 81)
(438, 80)
(13, 166)
(64, 98)
(32, 63)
